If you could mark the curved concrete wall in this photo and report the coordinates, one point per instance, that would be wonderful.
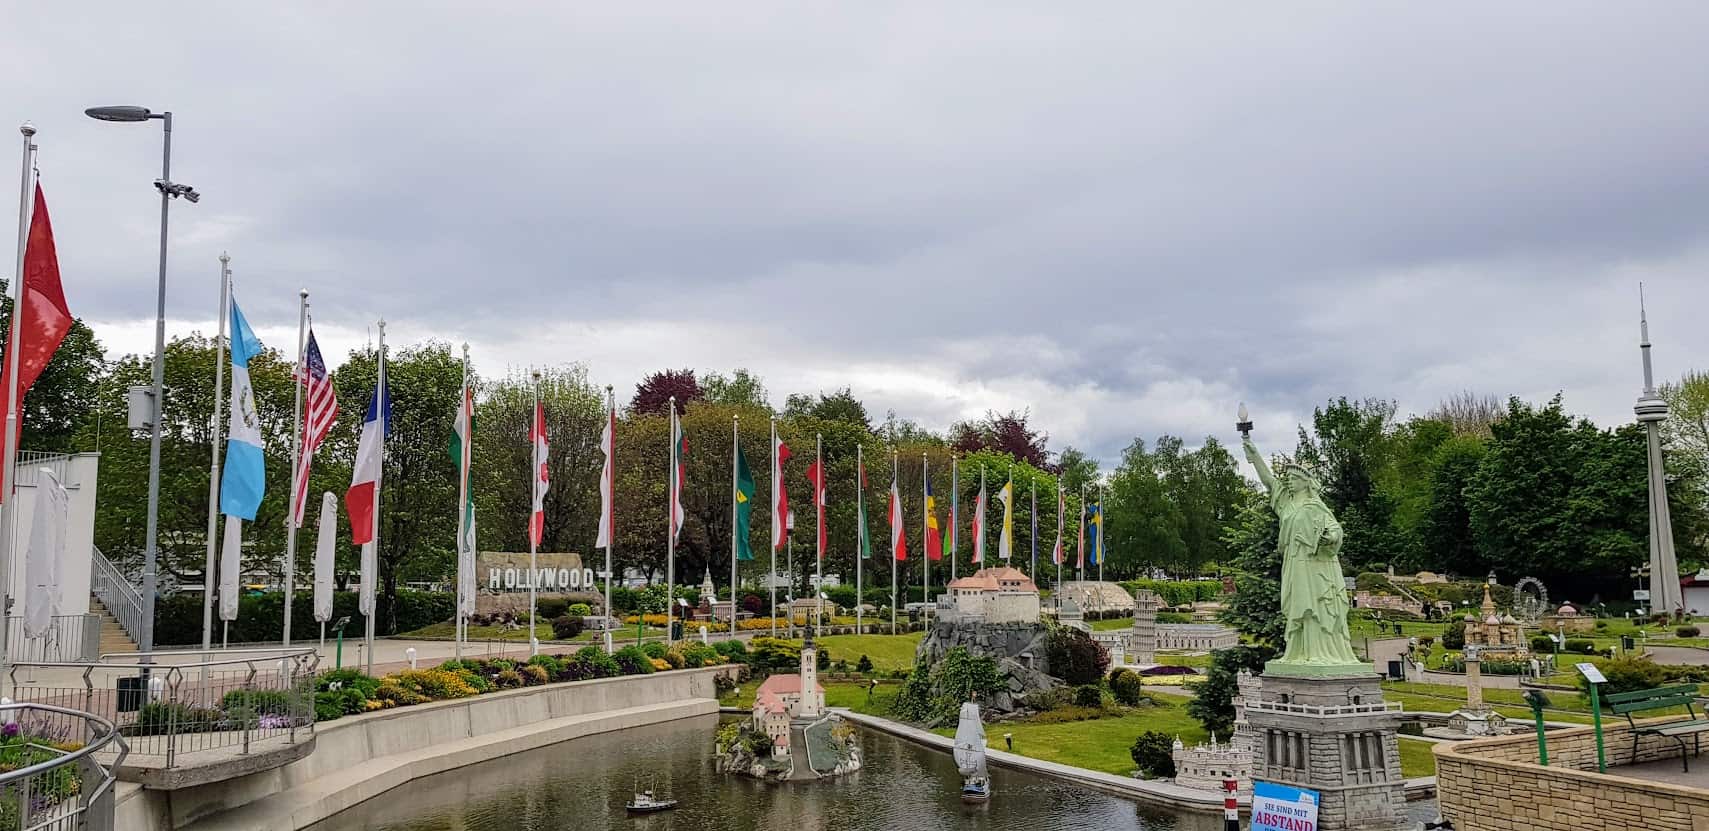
(360, 757)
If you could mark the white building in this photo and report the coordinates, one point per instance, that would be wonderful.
(784, 698)
(993, 595)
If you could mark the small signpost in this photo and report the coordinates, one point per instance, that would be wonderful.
(1594, 676)
(1282, 808)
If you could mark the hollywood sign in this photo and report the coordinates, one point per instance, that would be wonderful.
(511, 571)
(544, 579)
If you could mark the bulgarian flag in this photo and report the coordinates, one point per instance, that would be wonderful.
(934, 535)
(898, 537)
(860, 510)
(462, 449)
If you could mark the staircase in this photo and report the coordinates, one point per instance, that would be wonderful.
(113, 636)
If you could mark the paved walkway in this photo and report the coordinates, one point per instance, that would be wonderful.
(1689, 656)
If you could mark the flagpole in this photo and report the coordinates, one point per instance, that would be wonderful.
(534, 493)
(296, 459)
(463, 463)
(1081, 556)
(860, 513)
(381, 411)
(979, 544)
(670, 530)
(819, 534)
(214, 464)
(8, 512)
(925, 533)
(895, 594)
(954, 515)
(1032, 513)
(611, 415)
(735, 447)
(771, 577)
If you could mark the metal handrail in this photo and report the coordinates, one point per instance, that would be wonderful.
(94, 805)
(116, 593)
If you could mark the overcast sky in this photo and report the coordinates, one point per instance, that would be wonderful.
(1126, 217)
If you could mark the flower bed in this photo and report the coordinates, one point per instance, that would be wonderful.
(346, 691)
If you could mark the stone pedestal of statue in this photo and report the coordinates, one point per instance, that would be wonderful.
(1332, 734)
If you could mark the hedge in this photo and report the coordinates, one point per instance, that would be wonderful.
(1177, 592)
(260, 618)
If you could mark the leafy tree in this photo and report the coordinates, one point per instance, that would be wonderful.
(1077, 469)
(1143, 524)
(1074, 657)
(1454, 637)
(1350, 448)
(575, 417)
(838, 406)
(1154, 755)
(1256, 607)
(654, 393)
(1686, 433)
(1008, 433)
(1469, 414)
(740, 388)
(1213, 699)
(1447, 524)
(64, 396)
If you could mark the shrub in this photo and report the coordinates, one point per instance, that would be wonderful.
(633, 661)
(1075, 658)
(659, 664)
(579, 610)
(479, 682)
(1454, 637)
(1067, 714)
(1583, 646)
(1601, 625)
(1154, 755)
(508, 679)
(396, 695)
(592, 662)
(1687, 632)
(733, 650)
(158, 718)
(1627, 674)
(673, 660)
(277, 702)
(347, 678)
(568, 627)
(547, 608)
(534, 675)
(1174, 617)
(1213, 701)
(1054, 698)
(655, 649)
(1088, 695)
(699, 655)
(552, 664)
(435, 684)
(1426, 641)
(329, 705)
(1128, 688)
(1542, 644)
(864, 665)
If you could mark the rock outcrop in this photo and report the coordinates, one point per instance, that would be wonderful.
(1020, 650)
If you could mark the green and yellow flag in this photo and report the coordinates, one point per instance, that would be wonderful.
(744, 497)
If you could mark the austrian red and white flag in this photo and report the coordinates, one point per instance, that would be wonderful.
(607, 480)
(898, 536)
(816, 478)
(779, 493)
(45, 319)
(537, 436)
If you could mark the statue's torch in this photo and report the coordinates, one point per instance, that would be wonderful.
(1244, 425)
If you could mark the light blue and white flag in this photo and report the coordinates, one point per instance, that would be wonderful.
(244, 480)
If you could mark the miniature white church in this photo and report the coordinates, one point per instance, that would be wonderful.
(786, 698)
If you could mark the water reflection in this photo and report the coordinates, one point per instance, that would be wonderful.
(582, 784)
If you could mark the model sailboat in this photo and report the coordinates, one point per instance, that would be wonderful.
(970, 755)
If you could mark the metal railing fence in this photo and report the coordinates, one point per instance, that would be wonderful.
(116, 592)
(58, 769)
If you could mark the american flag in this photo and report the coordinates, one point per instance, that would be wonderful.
(320, 411)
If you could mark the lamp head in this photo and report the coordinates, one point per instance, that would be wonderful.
(122, 113)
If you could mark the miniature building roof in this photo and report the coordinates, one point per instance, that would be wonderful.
(782, 741)
(768, 701)
(785, 685)
(999, 578)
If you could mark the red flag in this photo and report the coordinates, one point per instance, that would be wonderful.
(779, 494)
(816, 477)
(898, 536)
(542, 477)
(934, 536)
(42, 319)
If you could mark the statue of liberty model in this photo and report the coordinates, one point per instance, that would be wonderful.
(1314, 594)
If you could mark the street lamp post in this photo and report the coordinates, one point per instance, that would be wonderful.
(168, 191)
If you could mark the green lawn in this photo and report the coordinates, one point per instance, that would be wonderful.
(888, 652)
(1416, 759)
(1112, 623)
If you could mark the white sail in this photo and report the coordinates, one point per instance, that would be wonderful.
(970, 742)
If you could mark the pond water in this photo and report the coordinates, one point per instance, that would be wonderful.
(583, 783)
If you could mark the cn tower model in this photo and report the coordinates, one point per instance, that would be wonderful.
(1665, 593)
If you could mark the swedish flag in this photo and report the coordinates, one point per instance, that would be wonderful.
(1095, 531)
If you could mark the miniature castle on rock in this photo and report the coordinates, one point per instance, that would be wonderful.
(992, 595)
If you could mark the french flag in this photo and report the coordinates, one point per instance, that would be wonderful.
(365, 478)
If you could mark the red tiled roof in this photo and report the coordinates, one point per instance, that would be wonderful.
(782, 684)
(991, 579)
(768, 701)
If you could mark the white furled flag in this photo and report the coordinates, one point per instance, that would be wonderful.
(1061, 516)
(607, 480)
(320, 411)
(979, 521)
(1006, 540)
(42, 558)
(542, 478)
(326, 548)
(231, 565)
(678, 474)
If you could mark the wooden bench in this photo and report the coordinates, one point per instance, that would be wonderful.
(1661, 698)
